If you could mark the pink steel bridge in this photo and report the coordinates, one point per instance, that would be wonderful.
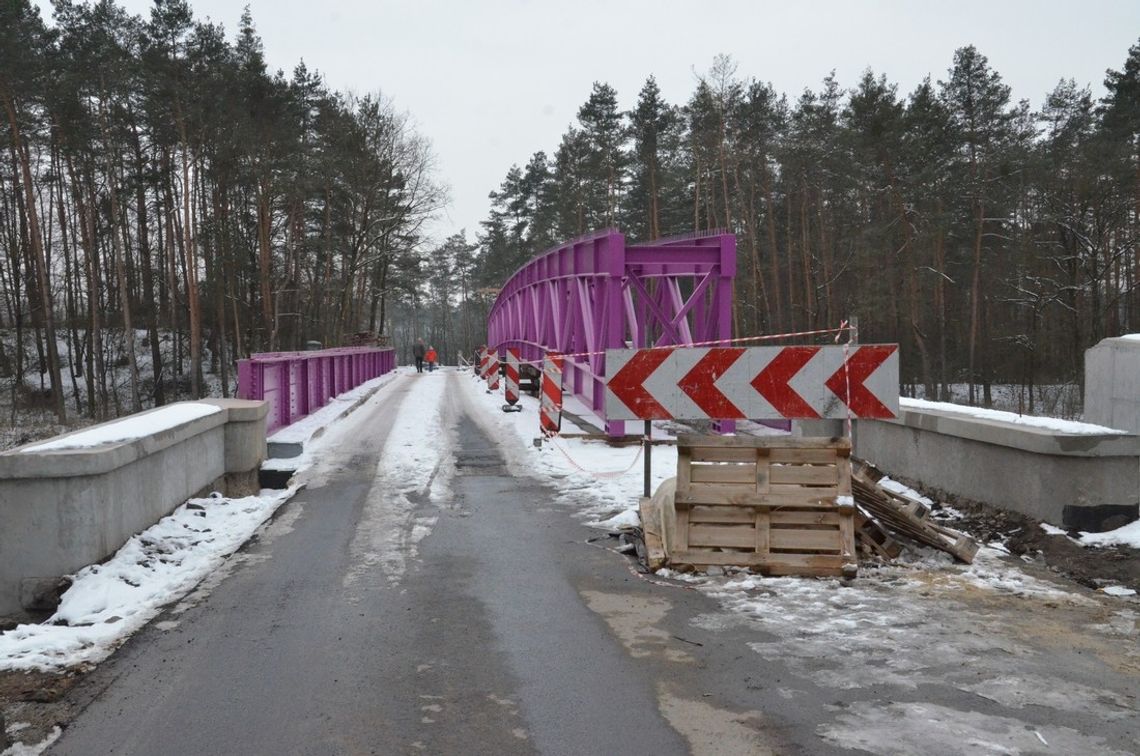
(597, 292)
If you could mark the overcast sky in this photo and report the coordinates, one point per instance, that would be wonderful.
(490, 83)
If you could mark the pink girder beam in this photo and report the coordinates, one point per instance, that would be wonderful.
(597, 292)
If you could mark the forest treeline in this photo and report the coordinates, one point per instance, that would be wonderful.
(993, 240)
(158, 178)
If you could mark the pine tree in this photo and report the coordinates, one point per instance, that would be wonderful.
(603, 158)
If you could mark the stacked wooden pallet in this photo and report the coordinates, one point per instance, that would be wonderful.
(905, 515)
(782, 506)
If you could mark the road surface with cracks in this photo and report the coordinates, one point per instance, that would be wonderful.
(423, 594)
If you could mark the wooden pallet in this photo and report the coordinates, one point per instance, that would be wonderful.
(873, 538)
(782, 506)
(907, 516)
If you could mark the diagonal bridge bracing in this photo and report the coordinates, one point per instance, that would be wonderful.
(597, 292)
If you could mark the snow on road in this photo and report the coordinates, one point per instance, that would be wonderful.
(410, 472)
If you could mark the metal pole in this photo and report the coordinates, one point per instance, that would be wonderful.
(648, 451)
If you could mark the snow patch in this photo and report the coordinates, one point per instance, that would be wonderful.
(1069, 427)
(108, 602)
(1119, 590)
(129, 428)
(21, 749)
(1128, 535)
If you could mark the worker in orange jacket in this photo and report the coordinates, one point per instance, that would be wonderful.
(431, 357)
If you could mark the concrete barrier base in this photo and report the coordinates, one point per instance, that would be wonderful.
(1074, 481)
(65, 508)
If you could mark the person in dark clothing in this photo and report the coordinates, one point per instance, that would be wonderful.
(418, 351)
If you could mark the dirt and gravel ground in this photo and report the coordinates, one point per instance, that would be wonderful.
(1092, 567)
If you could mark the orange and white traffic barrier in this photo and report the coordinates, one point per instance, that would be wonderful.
(493, 370)
(512, 387)
(550, 409)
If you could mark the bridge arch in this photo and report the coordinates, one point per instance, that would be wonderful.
(599, 292)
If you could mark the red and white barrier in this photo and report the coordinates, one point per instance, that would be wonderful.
(492, 369)
(550, 410)
(482, 362)
(512, 387)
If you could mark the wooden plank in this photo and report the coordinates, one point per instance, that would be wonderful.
(798, 456)
(734, 558)
(722, 536)
(737, 515)
(718, 454)
(804, 475)
(711, 494)
(655, 556)
(809, 565)
(784, 539)
(763, 474)
(723, 473)
(806, 517)
(840, 444)
(844, 468)
(684, 464)
(763, 536)
(682, 529)
(795, 495)
(847, 536)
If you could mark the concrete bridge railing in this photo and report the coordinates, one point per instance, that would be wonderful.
(74, 500)
(297, 383)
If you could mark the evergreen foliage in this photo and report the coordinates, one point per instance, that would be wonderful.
(993, 241)
(158, 177)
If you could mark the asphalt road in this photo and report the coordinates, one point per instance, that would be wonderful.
(506, 630)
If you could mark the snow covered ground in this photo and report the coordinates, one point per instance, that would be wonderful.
(108, 602)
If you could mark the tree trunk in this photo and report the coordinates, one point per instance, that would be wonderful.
(41, 271)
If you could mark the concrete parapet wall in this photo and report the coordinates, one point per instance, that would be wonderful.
(1082, 481)
(63, 509)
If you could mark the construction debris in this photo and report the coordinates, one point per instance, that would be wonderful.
(902, 515)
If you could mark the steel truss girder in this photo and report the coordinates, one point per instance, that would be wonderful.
(597, 292)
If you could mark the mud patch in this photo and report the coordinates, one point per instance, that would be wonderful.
(632, 619)
(711, 731)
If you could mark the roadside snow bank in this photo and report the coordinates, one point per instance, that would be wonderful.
(108, 602)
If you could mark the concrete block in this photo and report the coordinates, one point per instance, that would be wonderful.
(245, 442)
(1112, 384)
